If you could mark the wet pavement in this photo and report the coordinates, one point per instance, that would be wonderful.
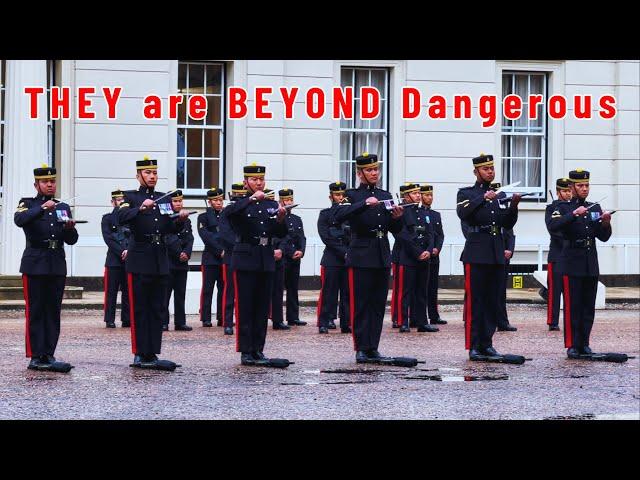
(325, 382)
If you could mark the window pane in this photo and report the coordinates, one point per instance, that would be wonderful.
(345, 146)
(182, 77)
(181, 142)
(358, 122)
(537, 83)
(346, 77)
(182, 112)
(348, 173)
(360, 144)
(362, 80)
(212, 143)
(535, 146)
(214, 114)
(378, 81)
(196, 79)
(194, 173)
(180, 177)
(534, 173)
(214, 78)
(194, 143)
(376, 141)
(378, 122)
(211, 174)
(507, 80)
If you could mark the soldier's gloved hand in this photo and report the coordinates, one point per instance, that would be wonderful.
(281, 214)
(146, 205)
(490, 195)
(184, 257)
(435, 252)
(424, 255)
(397, 212)
(515, 200)
(48, 205)
(124, 254)
(606, 217)
(580, 211)
(257, 196)
(371, 201)
(297, 254)
(508, 254)
(183, 215)
(277, 254)
(69, 224)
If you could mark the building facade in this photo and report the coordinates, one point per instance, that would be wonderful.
(95, 156)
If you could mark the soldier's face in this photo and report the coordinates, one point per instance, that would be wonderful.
(565, 195)
(288, 201)
(216, 204)
(369, 175)
(336, 197)
(486, 173)
(427, 199)
(581, 190)
(413, 197)
(176, 203)
(254, 183)
(46, 187)
(147, 177)
(116, 202)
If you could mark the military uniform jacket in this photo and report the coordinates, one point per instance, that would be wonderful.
(555, 246)
(116, 237)
(369, 245)
(335, 236)
(146, 255)
(509, 240)
(416, 236)
(253, 225)
(41, 228)
(209, 225)
(295, 239)
(486, 221)
(227, 237)
(436, 223)
(178, 243)
(579, 256)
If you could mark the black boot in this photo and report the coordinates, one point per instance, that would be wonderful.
(428, 328)
(554, 328)
(281, 326)
(111, 325)
(573, 353)
(323, 329)
(228, 330)
(332, 325)
(404, 329)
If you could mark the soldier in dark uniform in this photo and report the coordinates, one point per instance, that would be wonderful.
(371, 215)
(47, 225)
(414, 244)
(255, 221)
(333, 273)
(228, 239)
(179, 248)
(554, 278)
(296, 244)
(212, 256)
(483, 256)
(280, 245)
(579, 222)
(148, 213)
(116, 237)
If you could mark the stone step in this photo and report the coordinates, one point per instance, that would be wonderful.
(15, 293)
(10, 281)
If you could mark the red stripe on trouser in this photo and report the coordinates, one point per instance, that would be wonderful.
(27, 313)
(106, 286)
(352, 307)
(393, 291)
(236, 301)
(132, 315)
(202, 292)
(320, 297)
(468, 313)
(549, 293)
(400, 294)
(568, 336)
(224, 294)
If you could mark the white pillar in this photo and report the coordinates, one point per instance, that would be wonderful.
(26, 149)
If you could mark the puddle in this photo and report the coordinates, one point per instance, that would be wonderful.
(337, 382)
(458, 378)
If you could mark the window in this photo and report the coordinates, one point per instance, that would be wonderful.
(51, 127)
(357, 135)
(200, 150)
(3, 76)
(524, 141)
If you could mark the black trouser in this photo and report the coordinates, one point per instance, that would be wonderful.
(368, 289)
(579, 309)
(554, 291)
(482, 284)
(177, 283)
(432, 287)
(335, 280)
(291, 283)
(411, 294)
(228, 296)
(502, 319)
(115, 278)
(253, 293)
(148, 311)
(211, 274)
(277, 291)
(43, 302)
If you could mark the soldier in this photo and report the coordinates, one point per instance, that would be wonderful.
(255, 221)
(277, 292)
(413, 247)
(368, 255)
(483, 256)
(149, 214)
(579, 222)
(116, 237)
(554, 278)
(47, 224)
(296, 244)
(333, 273)
(179, 248)
(228, 239)
(212, 256)
(426, 194)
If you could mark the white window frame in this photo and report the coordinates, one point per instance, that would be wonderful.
(221, 128)
(51, 128)
(3, 88)
(384, 162)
